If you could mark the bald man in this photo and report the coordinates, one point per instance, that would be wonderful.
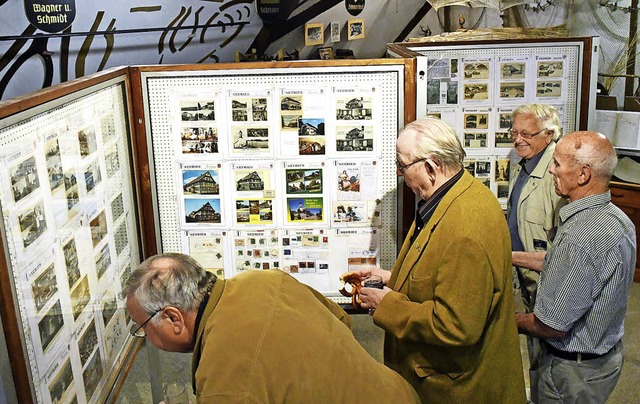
(585, 280)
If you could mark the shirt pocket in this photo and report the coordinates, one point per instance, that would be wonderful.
(535, 216)
(538, 219)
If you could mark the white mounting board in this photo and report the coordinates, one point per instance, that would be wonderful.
(159, 92)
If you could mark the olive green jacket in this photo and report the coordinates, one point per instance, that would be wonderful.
(449, 324)
(264, 337)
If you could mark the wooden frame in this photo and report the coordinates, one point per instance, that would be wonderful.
(313, 33)
(355, 29)
(32, 105)
(587, 81)
(147, 216)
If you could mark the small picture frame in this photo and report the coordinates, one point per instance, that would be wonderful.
(313, 33)
(326, 53)
(335, 31)
(355, 29)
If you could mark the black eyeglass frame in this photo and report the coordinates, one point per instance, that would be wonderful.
(526, 136)
(403, 168)
(134, 333)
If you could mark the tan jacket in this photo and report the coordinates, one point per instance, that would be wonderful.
(538, 209)
(449, 324)
(267, 338)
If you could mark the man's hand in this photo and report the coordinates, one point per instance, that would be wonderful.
(370, 298)
(367, 272)
(529, 324)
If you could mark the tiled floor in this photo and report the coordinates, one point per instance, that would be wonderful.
(177, 367)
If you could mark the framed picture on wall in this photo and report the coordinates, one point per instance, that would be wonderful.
(313, 33)
(355, 29)
(335, 31)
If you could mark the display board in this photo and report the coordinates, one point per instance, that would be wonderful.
(288, 168)
(70, 233)
(474, 86)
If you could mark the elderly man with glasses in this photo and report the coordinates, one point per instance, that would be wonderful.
(533, 206)
(258, 337)
(447, 307)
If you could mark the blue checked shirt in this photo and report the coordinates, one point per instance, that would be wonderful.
(587, 275)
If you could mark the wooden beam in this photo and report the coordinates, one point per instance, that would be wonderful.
(414, 22)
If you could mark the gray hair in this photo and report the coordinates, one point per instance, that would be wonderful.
(546, 115)
(170, 279)
(436, 140)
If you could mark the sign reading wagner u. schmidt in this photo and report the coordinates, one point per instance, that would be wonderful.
(50, 15)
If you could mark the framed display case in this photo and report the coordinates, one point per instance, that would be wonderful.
(70, 238)
(280, 165)
(474, 86)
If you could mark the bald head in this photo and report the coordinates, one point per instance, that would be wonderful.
(592, 149)
(583, 164)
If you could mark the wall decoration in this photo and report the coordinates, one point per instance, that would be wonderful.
(335, 31)
(51, 16)
(272, 11)
(355, 29)
(326, 53)
(354, 7)
(313, 33)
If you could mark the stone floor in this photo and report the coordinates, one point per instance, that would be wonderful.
(177, 367)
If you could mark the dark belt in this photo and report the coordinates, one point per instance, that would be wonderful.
(572, 356)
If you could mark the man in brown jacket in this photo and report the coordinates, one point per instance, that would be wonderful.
(259, 337)
(447, 308)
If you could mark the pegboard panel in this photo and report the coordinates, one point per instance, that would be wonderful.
(571, 55)
(386, 82)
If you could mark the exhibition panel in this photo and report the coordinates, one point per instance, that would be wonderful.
(286, 167)
(475, 85)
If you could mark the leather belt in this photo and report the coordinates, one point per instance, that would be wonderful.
(572, 356)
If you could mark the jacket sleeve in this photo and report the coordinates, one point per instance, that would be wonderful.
(449, 304)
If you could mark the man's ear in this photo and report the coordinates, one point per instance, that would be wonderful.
(585, 174)
(176, 318)
(431, 166)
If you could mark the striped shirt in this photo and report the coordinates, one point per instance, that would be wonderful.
(587, 275)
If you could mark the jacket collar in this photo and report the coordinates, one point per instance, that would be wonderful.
(541, 167)
(411, 251)
(214, 298)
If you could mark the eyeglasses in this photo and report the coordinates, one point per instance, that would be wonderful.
(139, 331)
(403, 168)
(514, 134)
